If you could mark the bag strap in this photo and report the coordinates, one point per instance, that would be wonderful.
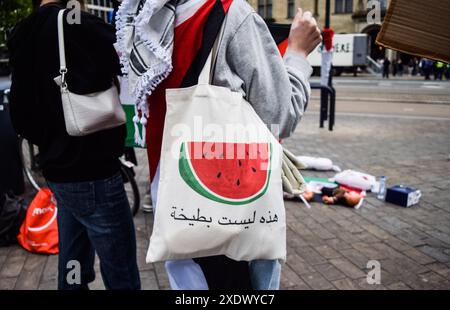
(207, 73)
(210, 33)
(62, 49)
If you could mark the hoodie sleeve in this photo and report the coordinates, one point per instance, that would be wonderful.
(278, 90)
(24, 105)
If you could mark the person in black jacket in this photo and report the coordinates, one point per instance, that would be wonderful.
(386, 68)
(83, 172)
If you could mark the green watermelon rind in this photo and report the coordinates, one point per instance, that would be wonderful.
(192, 180)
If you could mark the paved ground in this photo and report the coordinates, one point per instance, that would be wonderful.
(329, 246)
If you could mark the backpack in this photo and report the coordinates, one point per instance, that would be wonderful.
(12, 214)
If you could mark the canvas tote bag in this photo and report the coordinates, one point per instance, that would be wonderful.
(220, 189)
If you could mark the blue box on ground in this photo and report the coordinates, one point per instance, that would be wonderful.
(403, 196)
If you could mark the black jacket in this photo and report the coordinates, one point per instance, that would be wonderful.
(36, 107)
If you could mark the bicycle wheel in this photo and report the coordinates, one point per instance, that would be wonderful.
(29, 155)
(131, 188)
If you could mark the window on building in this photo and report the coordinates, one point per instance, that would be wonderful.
(348, 6)
(261, 7)
(343, 6)
(100, 8)
(269, 9)
(383, 3)
(290, 8)
(265, 8)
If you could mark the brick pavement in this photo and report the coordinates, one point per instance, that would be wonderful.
(329, 246)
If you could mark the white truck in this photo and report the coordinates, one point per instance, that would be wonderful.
(350, 51)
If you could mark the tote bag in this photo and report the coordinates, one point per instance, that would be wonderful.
(220, 189)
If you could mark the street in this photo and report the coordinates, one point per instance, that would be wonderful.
(399, 129)
(394, 97)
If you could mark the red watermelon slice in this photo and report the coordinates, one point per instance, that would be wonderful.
(231, 173)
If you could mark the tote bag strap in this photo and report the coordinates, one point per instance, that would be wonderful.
(208, 69)
(62, 49)
(211, 31)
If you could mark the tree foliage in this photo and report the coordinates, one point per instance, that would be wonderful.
(11, 12)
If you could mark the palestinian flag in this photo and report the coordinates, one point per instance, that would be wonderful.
(280, 33)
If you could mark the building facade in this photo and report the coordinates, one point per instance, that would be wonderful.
(347, 16)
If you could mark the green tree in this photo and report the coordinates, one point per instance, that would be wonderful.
(12, 11)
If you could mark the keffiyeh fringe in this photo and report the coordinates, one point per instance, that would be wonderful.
(146, 83)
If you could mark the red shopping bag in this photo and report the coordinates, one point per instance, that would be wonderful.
(39, 231)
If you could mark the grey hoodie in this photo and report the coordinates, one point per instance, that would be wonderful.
(249, 61)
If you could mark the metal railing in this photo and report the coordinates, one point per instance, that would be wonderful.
(327, 104)
(373, 65)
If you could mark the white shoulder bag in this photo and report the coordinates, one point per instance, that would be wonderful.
(86, 114)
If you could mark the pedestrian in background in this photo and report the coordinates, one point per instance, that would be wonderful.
(386, 67)
(83, 172)
(394, 68)
(415, 64)
(439, 70)
(426, 66)
(400, 67)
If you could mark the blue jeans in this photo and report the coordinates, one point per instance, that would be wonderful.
(94, 217)
(185, 274)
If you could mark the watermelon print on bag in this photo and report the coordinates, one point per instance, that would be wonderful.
(210, 203)
(230, 173)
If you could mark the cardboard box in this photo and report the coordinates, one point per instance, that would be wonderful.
(418, 27)
(403, 196)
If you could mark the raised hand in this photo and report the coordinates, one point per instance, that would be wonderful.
(305, 35)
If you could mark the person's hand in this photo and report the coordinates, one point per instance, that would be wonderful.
(305, 35)
(328, 200)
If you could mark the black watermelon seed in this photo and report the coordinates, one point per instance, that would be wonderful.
(219, 174)
(253, 169)
(240, 163)
(238, 182)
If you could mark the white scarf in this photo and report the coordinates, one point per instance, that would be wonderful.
(145, 35)
(145, 32)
